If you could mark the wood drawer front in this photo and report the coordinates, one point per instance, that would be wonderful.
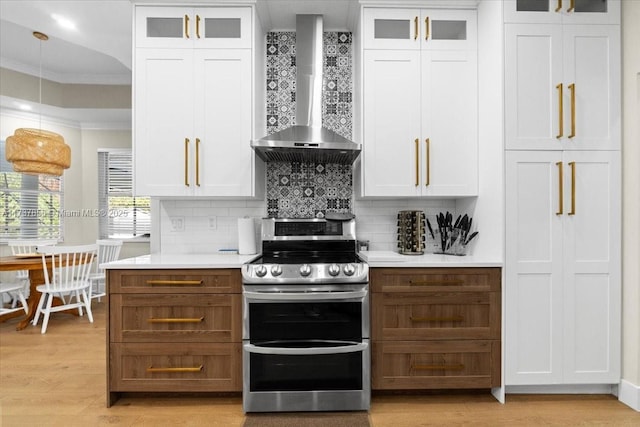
(172, 281)
(444, 315)
(175, 318)
(436, 364)
(177, 367)
(435, 279)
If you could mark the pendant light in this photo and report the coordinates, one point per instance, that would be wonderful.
(38, 151)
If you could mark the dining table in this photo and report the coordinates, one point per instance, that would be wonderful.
(34, 265)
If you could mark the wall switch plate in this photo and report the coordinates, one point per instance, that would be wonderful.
(213, 223)
(177, 223)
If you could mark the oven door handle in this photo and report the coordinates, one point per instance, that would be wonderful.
(301, 296)
(294, 351)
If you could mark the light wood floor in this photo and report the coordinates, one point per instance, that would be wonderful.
(58, 379)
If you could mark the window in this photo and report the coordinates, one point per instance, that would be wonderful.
(31, 206)
(122, 215)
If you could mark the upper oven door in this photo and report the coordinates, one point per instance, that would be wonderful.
(290, 315)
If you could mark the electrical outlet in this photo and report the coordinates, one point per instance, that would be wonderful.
(177, 223)
(213, 223)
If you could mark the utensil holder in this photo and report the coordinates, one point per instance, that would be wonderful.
(411, 232)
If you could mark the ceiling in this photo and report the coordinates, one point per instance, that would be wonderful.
(99, 49)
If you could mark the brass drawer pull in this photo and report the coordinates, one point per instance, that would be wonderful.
(152, 370)
(458, 367)
(437, 319)
(436, 283)
(175, 282)
(176, 319)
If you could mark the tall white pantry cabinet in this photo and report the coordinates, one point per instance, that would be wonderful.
(193, 101)
(563, 192)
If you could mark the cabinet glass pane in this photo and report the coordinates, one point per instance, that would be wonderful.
(532, 5)
(164, 27)
(449, 30)
(598, 6)
(222, 28)
(392, 29)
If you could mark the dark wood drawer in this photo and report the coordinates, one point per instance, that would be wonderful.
(183, 367)
(435, 315)
(173, 281)
(175, 318)
(435, 279)
(405, 365)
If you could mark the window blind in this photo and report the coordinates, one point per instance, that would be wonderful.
(31, 206)
(121, 214)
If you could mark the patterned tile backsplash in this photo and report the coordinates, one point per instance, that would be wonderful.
(304, 190)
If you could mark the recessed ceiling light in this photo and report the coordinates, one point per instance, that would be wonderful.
(64, 22)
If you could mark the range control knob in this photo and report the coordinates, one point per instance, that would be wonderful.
(261, 271)
(276, 270)
(334, 269)
(305, 270)
(349, 269)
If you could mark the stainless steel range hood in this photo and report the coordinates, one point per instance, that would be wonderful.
(308, 141)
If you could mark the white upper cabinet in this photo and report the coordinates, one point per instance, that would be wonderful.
(210, 27)
(562, 87)
(562, 11)
(419, 104)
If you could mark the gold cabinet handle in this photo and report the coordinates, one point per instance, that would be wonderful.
(436, 283)
(186, 162)
(198, 26)
(175, 282)
(572, 88)
(560, 112)
(560, 191)
(186, 26)
(572, 6)
(427, 31)
(417, 141)
(151, 369)
(438, 319)
(458, 367)
(428, 160)
(415, 28)
(175, 319)
(573, 188)
(198, 162)
(559, 6)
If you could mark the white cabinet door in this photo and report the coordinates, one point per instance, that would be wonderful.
(591, 75)
(391, 155)
(392, 28)
(533, 71)
(592, 299)
(223, 155)
(208, 27)
(566, 11)
(163, 121)
(533, 268)
(562, 267)
(562, 87)
(449, 123)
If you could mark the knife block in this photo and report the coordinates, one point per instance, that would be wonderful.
(411, 232)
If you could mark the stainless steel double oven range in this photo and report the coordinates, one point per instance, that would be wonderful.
(306, 319)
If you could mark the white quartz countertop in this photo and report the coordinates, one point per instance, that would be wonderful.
(373, 258)
(180, 261)
(394, 259)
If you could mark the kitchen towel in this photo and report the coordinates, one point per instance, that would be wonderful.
(246, 236)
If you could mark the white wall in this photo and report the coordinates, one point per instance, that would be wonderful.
(630, 390)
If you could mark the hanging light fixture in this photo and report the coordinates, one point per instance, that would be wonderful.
(38, 151)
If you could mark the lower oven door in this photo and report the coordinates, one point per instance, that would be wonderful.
(306, 376)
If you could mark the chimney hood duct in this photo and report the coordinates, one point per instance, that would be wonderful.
(308, 141)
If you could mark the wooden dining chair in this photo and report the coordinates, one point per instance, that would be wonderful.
(68, 275)
(108, 250)
(17, 289)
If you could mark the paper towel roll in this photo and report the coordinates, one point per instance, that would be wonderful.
(246, 236)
